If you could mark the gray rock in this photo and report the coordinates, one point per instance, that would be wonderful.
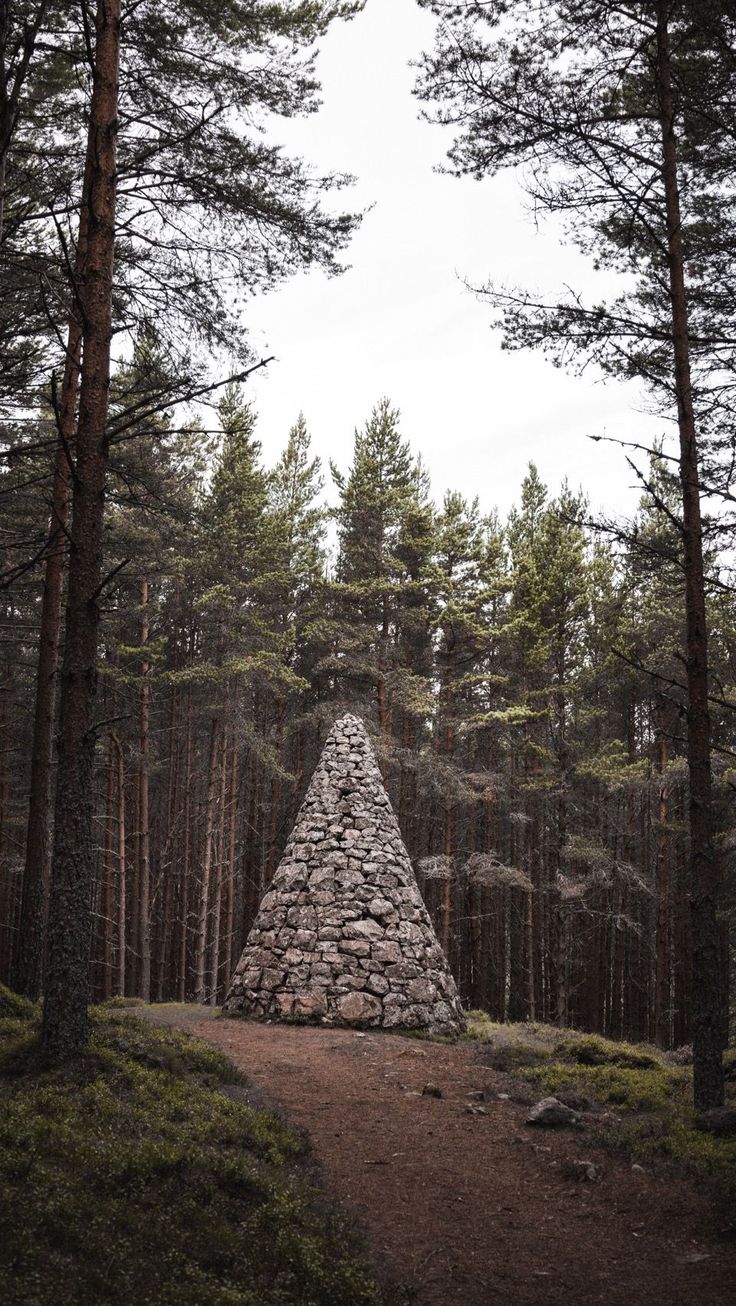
(386, 953)
(311, 1004)
(550, 1113)
(360, 1008)
(355, 947)
(381, 907)
(364, 929)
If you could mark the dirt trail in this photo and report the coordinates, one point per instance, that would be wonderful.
(473, 1209)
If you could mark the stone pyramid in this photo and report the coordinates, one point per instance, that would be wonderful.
(342, 936)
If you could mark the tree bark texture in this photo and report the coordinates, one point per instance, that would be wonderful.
(704, 871)
(200, 963)
(73, 862)
(144, 832)
(34, 902)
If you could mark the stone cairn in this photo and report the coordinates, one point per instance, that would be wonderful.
(342, 936)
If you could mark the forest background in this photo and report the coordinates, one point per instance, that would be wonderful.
(523, 678)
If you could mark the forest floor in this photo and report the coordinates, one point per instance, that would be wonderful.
(462, 1202)
(139, 1171)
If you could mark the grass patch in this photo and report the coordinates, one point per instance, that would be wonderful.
(591, 1050)
(622, 1089)
(132, 1174)
(14, 1007)
(121, 1004)
(650, 1097)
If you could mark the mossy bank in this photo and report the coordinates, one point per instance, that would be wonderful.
(647, 1093)
(135, 1174)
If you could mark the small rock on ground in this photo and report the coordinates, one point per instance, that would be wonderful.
(550, 1113)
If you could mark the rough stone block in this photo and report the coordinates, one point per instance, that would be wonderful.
(310, 1004)
(360, 1009)
(386, 953)
(354, 947)
(363, 929)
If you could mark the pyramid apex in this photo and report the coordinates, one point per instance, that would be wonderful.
(349, 720)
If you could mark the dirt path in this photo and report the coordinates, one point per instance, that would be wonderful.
(471, 1209)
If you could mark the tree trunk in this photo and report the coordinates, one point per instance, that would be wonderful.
(683, 1023)
(384, 710)
(662, 998)
(67, 981)
(6, 893)
(704, 868)
(518, 991)
(200, 992)
(447, 883)
(230, 961)
(108, 879)
(144, 832)
(184, 880)
(164, 977)
(122, 868)
(219, 871)
(34, 902)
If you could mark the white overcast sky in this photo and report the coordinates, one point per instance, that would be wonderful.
(400, 322)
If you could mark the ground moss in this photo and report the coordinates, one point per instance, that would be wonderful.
(649, 1089)
(14, 1007)
(121, 1004)
(648, 1099)
(591, 1050)
(135, 1174)
(658, 1140)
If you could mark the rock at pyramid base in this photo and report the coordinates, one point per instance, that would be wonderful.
(342, 936)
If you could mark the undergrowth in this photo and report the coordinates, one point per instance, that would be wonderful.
(648, 1098)
(133, 1174)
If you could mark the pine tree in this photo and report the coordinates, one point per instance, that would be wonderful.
(67, 984)
(172, 60)
(625, 118)
(383, 486)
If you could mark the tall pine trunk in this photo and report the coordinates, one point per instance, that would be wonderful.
(108, 877)
(29, 960)
(73, 862)
(231, 861)
(6, 887)
(200, 956)
(704, 870)
(144, 832)
(662, 999)
(122, 869)
(185, 876)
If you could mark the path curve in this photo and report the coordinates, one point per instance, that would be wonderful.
(470, 1208)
